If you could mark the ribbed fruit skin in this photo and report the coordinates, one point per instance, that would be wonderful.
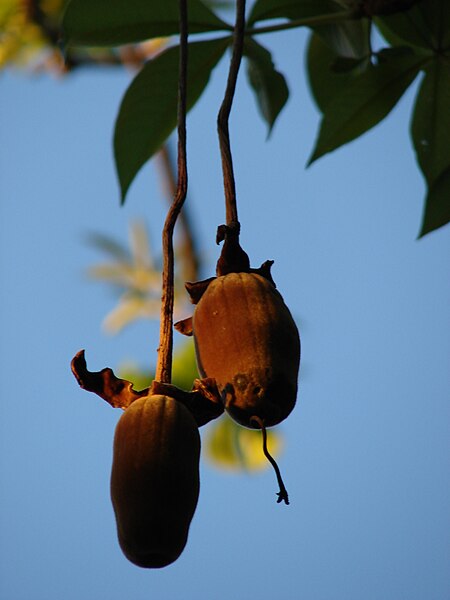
(245, 338)
(155, 479)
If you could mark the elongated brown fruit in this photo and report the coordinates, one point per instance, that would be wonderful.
(247, 340)
(155, 479)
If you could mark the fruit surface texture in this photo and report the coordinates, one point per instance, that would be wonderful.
(155, 479)
(246, 339)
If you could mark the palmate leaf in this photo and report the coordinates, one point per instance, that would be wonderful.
(268, 84)
(364, 102)
(148, 112)
(118, 22)
(426, 25)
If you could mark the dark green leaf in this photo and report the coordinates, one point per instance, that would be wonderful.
(386, 54)
(292, 9)
(430, 126)
(342, 64)
(349, 39)
(426, 25)
(268, 84)
(437, 208)
(324, 83)
(117, 22)
(148, 112)
(364, 102)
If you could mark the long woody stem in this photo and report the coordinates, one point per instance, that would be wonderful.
(164, 365)
(224, 114)
(187, 245)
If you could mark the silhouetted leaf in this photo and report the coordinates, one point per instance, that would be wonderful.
(386, 54)
(268, 84)
(288, 9)
(148, 112)
(437, 208)
(342, 64)
(115, 22)
(349, 39)
(426, 24)
(324, 82)
(364, 102)
(430, 126)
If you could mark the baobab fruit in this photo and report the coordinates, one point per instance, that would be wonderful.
(155, 479)
(246, 339)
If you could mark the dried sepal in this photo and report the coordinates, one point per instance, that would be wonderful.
(119, 393)
(203, 401)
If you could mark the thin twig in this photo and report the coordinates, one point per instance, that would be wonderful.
(224, 114)
(164, 364)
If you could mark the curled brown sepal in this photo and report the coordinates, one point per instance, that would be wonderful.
(119, 393)
(185, 326)
(196, 289)
(203, 401)
(264, 271)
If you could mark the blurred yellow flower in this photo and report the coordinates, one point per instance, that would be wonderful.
(235, 448)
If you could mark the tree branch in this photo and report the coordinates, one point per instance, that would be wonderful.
(164, 364)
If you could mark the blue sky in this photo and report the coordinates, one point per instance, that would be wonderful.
(366, 458)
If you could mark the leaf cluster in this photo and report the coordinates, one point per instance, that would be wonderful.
(353, 86)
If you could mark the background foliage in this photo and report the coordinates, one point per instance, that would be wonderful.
(354, 84)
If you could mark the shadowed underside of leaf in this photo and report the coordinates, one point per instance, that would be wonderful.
(115, 22)
(268, 84)
(148, 112)
(348, 38)
(426, 24)
(324, 83)
(430, 127)
(437, 207)
(364, 102)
